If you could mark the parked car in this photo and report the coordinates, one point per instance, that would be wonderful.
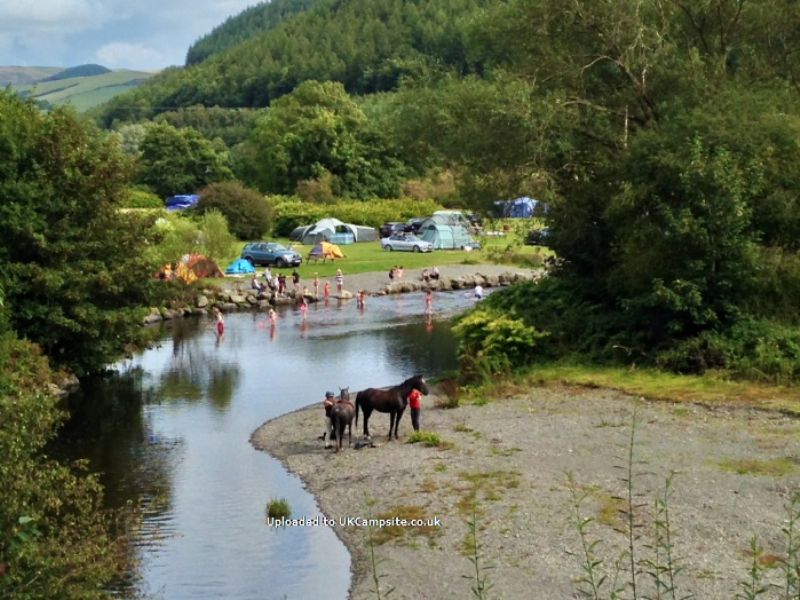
(405, 242)
(413, 225)
(271, 253)
(392, 227)
(538, 237)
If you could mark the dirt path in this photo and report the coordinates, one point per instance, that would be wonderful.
(513, 454)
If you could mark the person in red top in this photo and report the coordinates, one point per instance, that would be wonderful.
(415, 403)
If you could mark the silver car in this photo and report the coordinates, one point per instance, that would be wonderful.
(405, 242)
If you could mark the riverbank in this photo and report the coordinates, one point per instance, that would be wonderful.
(736, 469)
(235, 293)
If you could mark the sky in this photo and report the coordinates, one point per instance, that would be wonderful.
(119, 34)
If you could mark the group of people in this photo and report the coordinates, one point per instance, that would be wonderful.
(396, 272)
(277, 283)
(429, 275)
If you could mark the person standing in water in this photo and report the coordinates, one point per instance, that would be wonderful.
(220, 322)
(339, 281)
(316, 285)
(428, 302)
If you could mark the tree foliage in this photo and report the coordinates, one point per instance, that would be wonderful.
(319, 132)
(180, 161)
(367, 45)
(56, 540)
(250, 23)
(70, 262)
(248, 213)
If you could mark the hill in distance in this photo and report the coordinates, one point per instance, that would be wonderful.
(82, 87)
(23, 75)
(80, 71)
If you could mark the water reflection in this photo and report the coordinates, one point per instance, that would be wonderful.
(169, 430)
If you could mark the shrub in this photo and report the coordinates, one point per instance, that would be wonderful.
(176, 236)
(249, 214)
(138, 198)
(755, 349)
(215, 238)
(56, 539)
(491, 341)
(278, 508)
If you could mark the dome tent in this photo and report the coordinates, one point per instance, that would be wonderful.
(240, 267)
(333, 230)
(440, 231)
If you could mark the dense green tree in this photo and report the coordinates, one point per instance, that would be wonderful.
(70, 262)
(248, 213)
(180, 161)
(318, 131)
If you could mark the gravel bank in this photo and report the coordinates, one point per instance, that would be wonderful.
(513, 455)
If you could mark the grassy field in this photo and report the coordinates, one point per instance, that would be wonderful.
(368, 257)
(85, 92)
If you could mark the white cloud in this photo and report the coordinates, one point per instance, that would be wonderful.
(147, 34)
(122, 54)
(26, 16)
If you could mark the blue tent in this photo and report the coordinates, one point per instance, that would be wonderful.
(520, 208)
(240, 267)
(182, 202)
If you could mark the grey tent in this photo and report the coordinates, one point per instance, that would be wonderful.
(334, 231)
(440, 231)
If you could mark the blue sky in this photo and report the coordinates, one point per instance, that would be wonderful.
(133, 34)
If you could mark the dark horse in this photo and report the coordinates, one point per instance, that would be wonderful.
(392, 400)
(342, 415)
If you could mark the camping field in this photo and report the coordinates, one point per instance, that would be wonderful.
(369, 257)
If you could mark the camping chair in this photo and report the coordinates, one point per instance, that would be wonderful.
(316, 254)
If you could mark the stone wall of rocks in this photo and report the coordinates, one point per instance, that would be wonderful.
(446, 284)
(231, 300)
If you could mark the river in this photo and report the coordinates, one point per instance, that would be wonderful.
(168, 431)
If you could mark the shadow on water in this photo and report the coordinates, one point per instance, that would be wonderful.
(168, 431)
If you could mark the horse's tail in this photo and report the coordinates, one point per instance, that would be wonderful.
(358, 403)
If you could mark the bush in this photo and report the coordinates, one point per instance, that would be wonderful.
(249, 214)
(292, 212)
(56, 539)
(754, 349)
(176, 236)
(138, 198)
(492, 342)
(215, 238)
(278, 508)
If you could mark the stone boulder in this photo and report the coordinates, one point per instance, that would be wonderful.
(202, 301)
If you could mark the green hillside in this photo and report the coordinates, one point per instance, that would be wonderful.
(24, 75)
(368, 45)
(249, 23)
(84, 92)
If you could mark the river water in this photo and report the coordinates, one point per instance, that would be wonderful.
(169, 431)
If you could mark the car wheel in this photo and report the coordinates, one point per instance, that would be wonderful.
(388, 247)
(250, 260)
(280, 263)
(416, 249)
